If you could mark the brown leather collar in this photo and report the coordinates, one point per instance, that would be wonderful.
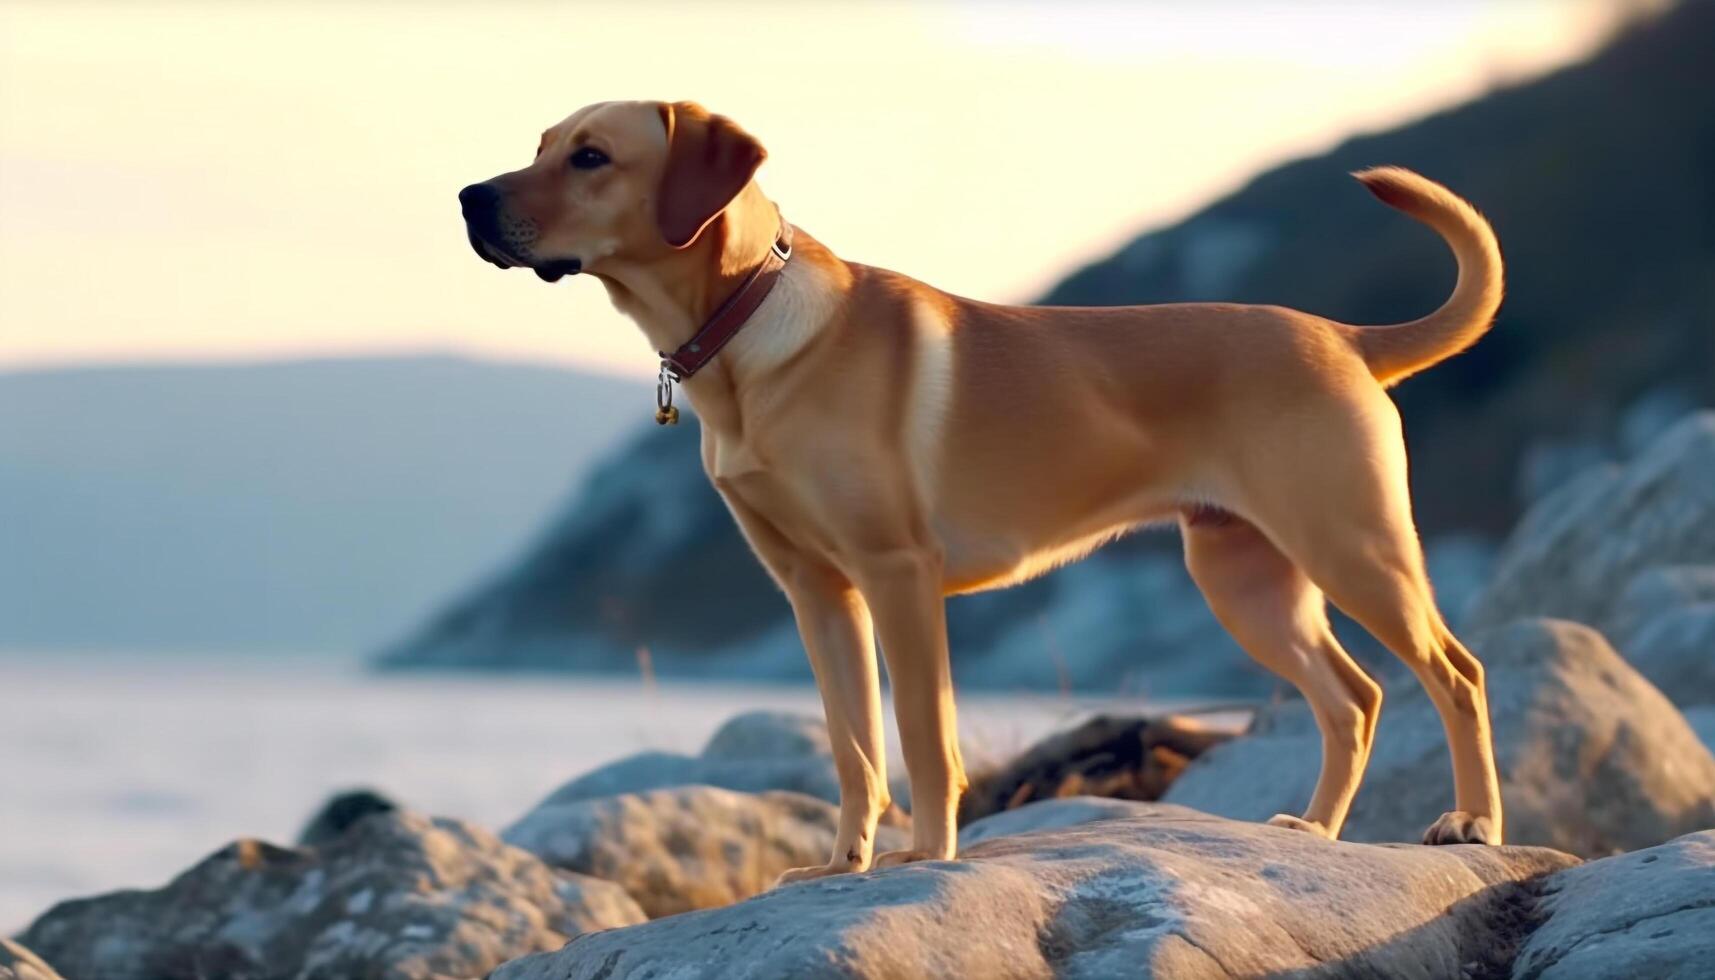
(732, 315)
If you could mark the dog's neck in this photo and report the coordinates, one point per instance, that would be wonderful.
(670, 298)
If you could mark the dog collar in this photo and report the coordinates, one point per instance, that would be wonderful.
(722, 326)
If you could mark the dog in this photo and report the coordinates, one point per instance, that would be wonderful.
(883, 445)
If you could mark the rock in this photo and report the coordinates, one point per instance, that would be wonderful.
(18, 963)
(1124, 758)
(1575, 551)
(1592, 758)
(1459, 565)
(1650, 913)
(340, 812)
(1677, 653)
(1647, 416)
(1657, 592)
(691, 847)
(398, 896)
(769, 735)
(1702, 722)
(737, 757)
(1068, 811)
(1074, 639)
(1160, 891)
(1548, 463)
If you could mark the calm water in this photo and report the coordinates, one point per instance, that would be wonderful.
(122, 771)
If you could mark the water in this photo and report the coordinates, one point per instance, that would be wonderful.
(119, 772)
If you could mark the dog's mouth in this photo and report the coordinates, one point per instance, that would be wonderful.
(549, 270)
(493, 253)
(555, 269)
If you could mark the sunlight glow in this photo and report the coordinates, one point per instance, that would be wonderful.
(244, 179)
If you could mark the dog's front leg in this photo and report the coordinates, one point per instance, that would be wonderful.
(834, 623)
(904, 591)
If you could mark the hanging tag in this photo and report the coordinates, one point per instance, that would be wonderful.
(666, 413)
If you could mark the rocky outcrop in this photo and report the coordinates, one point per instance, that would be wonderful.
(341, 812)
(1107, 756)
(1144, 890)
(1702, 722)
(1592, 758)
(1677, 653)
(1658, 592)
(1054, 814)
(1650, 913)
(691, 847)
(18, 963)
(751, 753)
(396, 896)
(1575, 553)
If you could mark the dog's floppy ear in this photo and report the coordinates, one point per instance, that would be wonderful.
(709, 160)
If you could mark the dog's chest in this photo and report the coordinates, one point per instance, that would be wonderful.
(769, 489)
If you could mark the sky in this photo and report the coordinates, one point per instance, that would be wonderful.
(224, 180)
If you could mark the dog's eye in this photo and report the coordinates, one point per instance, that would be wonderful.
(587, 158)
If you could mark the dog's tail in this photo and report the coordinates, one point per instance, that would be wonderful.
(1397, 352)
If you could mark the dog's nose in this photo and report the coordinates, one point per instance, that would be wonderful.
(479, 198)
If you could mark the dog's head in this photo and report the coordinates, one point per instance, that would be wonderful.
(615, 181)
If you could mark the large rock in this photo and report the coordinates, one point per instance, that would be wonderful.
(769, 735)
(1047, 815)
(1592, 758)
(397, 896)
(1130, 758)
(1160, 891)
(690, 847)
(341, 812)
(1646, 914)
(1677, 653)
(751, 753)
(1575, 551)
(1702, 721)
(1657, 592)
(18, 963)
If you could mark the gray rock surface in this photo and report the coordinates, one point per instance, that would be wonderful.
(1656, 592)
(398, 896)
(1128, 757)
(769, 735)
(690, 847)
(340, 813)
(751, 753)
(1576, 550)
(1070, 811)
(1702, 721)
(1650, 913)
(1156, 891)
(1676, 651)
(1592, 758)
(18, 963)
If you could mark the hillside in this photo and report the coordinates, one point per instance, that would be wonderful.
(1597, 179)
(306, 506)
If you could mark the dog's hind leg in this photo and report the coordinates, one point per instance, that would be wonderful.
(1346, 521)
(1280, 619)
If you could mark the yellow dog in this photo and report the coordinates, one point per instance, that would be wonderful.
(883, 445)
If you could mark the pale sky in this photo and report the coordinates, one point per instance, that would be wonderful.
(211, 180)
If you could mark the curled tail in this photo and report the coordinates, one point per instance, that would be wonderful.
(1397, 352)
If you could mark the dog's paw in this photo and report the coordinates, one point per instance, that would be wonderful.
(819, 871)
(1298, 823)
(1459, 827)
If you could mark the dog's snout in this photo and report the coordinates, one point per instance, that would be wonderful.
(479, 198)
